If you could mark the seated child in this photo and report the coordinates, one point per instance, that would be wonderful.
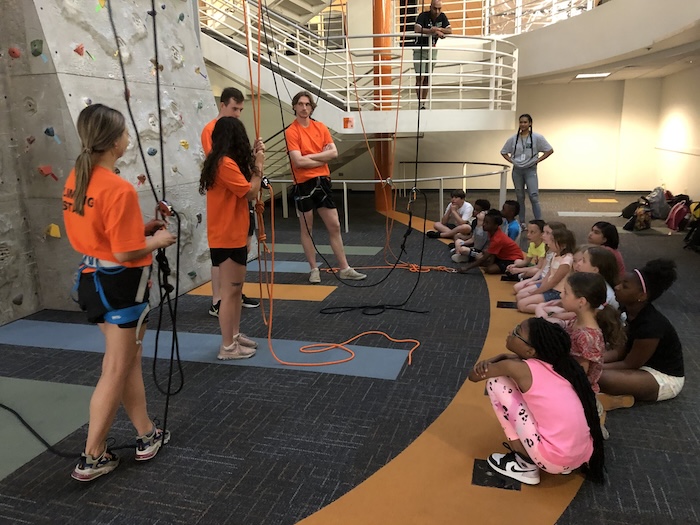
(467, 250)
(561, 243)
(536, 250)
(456, 219)
(511, 226)
(605, 234)
(650, 365)
(501, 251)
(545, 266)
(544, 404)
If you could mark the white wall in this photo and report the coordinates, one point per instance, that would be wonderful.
(678, 138)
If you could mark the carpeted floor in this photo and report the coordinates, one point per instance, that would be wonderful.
(270, 446)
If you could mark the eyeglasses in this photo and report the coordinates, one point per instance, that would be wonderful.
(516, 333)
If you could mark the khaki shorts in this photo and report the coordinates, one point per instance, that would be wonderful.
(669, 386)
(421, 63)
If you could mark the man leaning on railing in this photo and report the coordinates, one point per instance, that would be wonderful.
(435, 23)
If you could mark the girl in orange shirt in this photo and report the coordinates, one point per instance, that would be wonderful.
(103, 222)
(230, 178)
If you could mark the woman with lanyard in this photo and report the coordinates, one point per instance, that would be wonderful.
(523, 151)
(103, 222)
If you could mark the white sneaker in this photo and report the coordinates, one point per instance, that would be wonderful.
(514, 466)
(351, 275)
(315, 276)
(459, 258)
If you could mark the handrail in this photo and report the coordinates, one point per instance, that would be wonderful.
(393, 182)
(472, 72)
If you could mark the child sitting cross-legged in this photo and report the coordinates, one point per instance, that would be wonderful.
(561, 243)
(501, 252)
(545, 405)
(536, 250)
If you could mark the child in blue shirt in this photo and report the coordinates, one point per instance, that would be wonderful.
(511, 227)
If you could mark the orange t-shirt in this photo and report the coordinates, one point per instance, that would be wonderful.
(206, 136)
(112, 221)
(228, 217)
(306, 141)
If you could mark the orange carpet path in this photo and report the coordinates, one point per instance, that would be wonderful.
(430, 481)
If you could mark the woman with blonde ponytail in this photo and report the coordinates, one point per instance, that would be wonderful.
(103, 222)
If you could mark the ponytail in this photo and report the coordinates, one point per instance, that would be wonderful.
(83, 170)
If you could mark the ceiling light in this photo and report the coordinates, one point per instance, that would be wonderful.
(592, 75)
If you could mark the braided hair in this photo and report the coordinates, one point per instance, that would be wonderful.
(553, 345)
(517, 136)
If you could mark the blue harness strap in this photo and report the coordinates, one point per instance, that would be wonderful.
(113, 316)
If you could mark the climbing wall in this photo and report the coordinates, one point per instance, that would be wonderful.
(57, 57)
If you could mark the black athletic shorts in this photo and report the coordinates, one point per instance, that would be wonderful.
(237, 255)
(120, 290)
(502, 265)
(314, 193)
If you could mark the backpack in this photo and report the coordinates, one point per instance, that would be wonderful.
(657, 203)
(678, 217)
(692, 240)
(641, 220)
(628, 211)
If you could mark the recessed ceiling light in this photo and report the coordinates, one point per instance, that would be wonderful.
(592, 75)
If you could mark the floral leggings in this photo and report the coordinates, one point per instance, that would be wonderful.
(517, 421)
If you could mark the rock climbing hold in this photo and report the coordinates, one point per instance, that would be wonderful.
(174, 169)
(53, 230)
(185, 144)
(199, 105)
(142, 179)
(87, 101)
(30, 139)
(199, 218)
(181, 17)
(80, 49)
(199, 72)
(47, 171)
(192, 274)
(50, 132)
(37, 47)
(152, 151)
(14, 52)
(18, 299)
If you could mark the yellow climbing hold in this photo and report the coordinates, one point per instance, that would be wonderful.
(185, 144)
(53, 230)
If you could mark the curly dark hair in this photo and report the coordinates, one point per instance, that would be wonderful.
(553, 345)
(229, 139)
(659, 275)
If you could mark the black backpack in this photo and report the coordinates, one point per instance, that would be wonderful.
(692, 239)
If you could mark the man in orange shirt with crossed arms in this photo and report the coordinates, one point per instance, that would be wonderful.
(310, 149)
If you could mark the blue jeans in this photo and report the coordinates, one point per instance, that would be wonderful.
(522, 178)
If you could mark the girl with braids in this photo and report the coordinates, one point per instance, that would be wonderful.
(230, 178)
(650, 365)
(103, 222)
(605, 234)
(523, 150)
(545, 405)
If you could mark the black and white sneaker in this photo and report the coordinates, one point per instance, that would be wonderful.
(214, 309)
(514, 466)
(247, 302)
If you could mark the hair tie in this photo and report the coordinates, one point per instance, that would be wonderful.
(641, 280)
(87, 150)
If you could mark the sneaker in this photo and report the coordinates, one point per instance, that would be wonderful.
(459, 258)
(432, 234)
(315, 276)
(514, 466)
(89, 468)
(451, 246)
(148, 445)
(235, 351)
(249, 303)
(351, 275)
(453, 251)
(246, 341)
(214, 309)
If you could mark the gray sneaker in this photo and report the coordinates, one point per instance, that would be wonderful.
(459, 258)
(315, 276)
(244, 340)
(148, 445)
(89, 468)
(351, 275)
(235, 351)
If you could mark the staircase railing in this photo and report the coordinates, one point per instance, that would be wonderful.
(468, 73)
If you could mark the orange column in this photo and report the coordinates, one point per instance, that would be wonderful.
(381, 25)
